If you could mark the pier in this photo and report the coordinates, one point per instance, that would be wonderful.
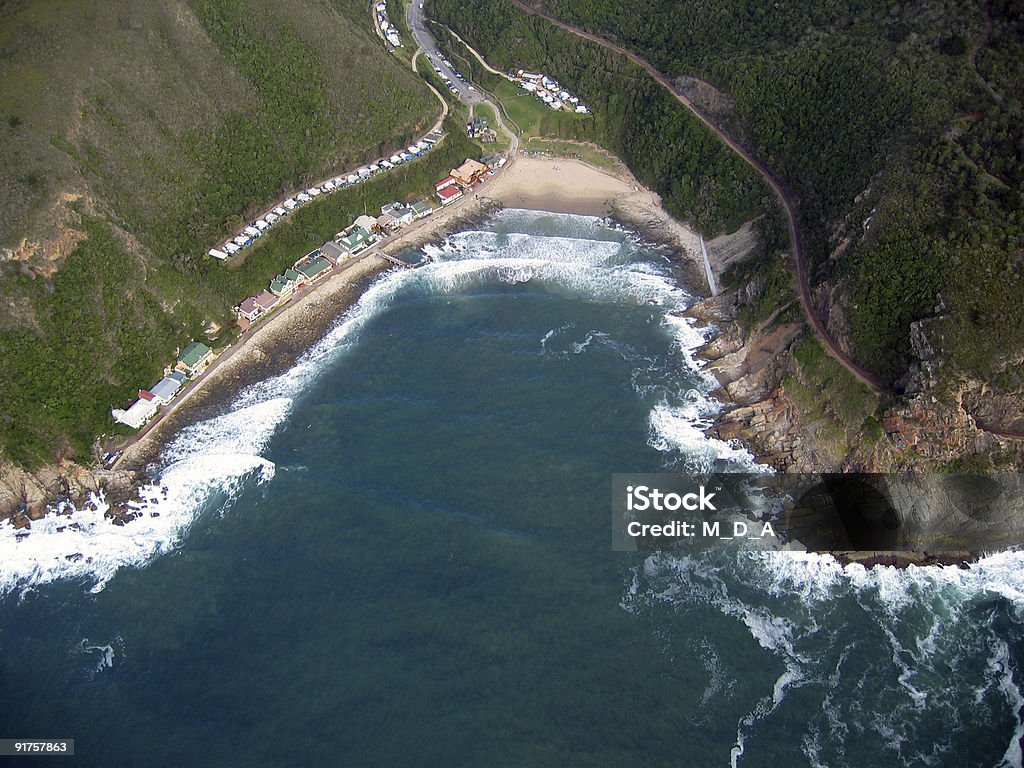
(396, 261)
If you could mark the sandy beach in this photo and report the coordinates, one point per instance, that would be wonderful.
(550, 184)
(570, 186)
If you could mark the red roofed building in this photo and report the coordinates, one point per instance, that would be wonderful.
(449, 194)
(145, 394)
(444, 183)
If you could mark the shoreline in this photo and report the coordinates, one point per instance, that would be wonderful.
(278, 341)
(563, 185)
(543, 184)
(557, 185)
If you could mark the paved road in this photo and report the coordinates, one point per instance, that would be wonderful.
(428, 45)
(417, 25)
(874, 382)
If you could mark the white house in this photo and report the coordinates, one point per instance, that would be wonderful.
(138, 414)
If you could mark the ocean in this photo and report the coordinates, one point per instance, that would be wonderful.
(398, 553)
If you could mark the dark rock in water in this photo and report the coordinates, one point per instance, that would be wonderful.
(62, 528)
(154, 514)
(20, 536)
(35, 511)
(118, 521)
(22, 522)
(73, 558)
(961, 559)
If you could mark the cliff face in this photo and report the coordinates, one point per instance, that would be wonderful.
(798, 414)
(25, 495)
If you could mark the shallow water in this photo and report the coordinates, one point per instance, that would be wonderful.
(399, 553)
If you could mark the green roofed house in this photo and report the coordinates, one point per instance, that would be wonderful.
(284, 285)
(314, 269)
(421, 209)
(194, 358)
(356, 240)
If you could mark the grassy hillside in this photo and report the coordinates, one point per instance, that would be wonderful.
(107, 331)
(176, 119)
(898, 126)
(135, 135)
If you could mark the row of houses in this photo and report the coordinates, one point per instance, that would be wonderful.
(467, 177)
(256, 229)
(549, 91)
(190, 363)
(316, 265)
(365, 231)
(384, 26)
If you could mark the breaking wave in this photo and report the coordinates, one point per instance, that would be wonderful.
(921, 656)
(207, 465)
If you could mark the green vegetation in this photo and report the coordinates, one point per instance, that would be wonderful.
(225, 106)
(503, 141)
(763, 283)
(107, 333)
(896, 126)
(101, 328)
(666, 147)
(130, 172)
(833, 404)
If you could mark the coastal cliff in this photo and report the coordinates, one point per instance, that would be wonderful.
(768, 371)
(27, 495)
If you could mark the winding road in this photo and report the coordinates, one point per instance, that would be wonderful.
(875, 383)
(870, 380)
(417, 23)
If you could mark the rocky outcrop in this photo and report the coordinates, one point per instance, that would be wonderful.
(750, 366)
(771, 429)
(26, 495)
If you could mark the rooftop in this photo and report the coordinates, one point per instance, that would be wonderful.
(314, 267)
(193, 352)
(266, 301)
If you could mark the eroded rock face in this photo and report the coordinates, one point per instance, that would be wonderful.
(770, 428)
(30, 493)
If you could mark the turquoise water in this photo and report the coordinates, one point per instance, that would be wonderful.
(399, 553)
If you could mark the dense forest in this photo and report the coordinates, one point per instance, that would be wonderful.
(134, 137)
(896, 126)
(665, 146)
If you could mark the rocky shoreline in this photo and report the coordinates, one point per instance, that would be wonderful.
(760, 382)
(28, 495)
(754, 366)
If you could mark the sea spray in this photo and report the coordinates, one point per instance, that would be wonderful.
(436, 526)
(215, 460)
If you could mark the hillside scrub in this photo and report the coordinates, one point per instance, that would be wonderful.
(896, 127)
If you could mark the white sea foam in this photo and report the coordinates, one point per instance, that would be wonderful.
(104, 654)
(789, 606)
(1002, 668)
(679, 429)
(216, 456)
